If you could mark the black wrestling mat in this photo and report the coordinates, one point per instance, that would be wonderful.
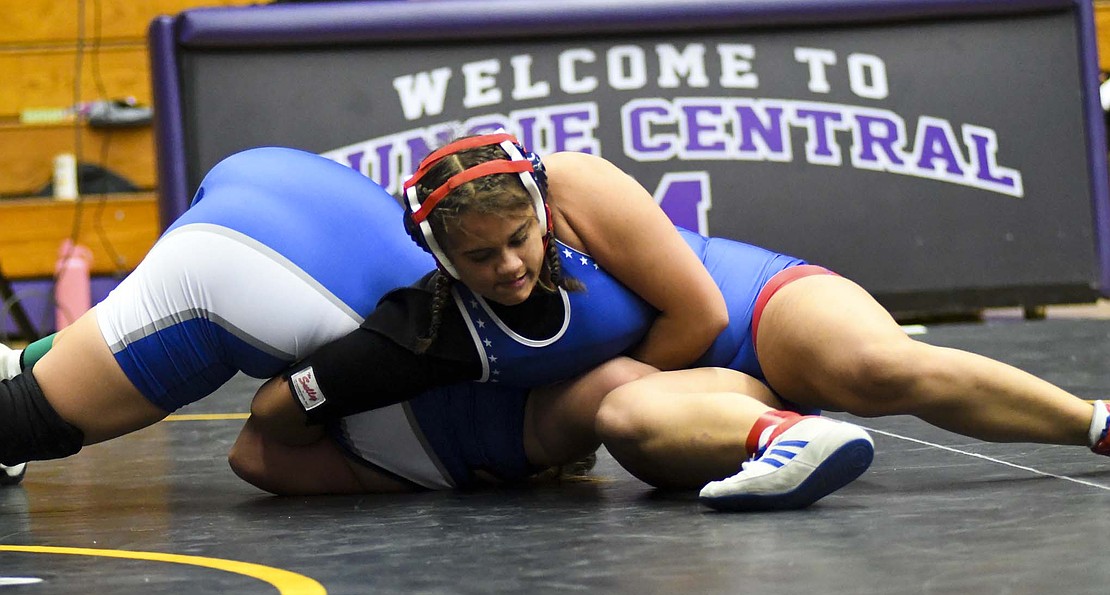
(159, 512)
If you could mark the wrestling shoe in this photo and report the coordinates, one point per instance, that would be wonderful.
(10, 476)
(809, 458)
(1099, 433)
(9, 362)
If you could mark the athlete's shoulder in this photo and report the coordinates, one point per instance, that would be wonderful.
(405, 314)
(405, 306)
(572, 168)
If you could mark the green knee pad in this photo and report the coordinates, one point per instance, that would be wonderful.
(34, 352)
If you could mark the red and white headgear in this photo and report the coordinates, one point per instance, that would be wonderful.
(520, 161)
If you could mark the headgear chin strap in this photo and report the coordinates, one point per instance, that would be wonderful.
(520, 163)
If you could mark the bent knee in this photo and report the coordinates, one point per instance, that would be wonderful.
(621, 371)
(242, 457)
(619, 416)
(246, 460)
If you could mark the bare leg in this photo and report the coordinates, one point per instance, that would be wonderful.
(824, 341)
(85, 385)
(319, 467)
(295, 459)
(559, 420)
(300, 459)
(684, 428)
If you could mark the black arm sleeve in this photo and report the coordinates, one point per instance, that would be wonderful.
(377, 365)
(365, 371)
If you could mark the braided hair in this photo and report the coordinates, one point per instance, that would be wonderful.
(492, 194)
(441, 299)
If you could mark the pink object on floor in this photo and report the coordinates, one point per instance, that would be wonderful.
(72, 294)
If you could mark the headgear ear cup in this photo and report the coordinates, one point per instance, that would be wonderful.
(421, 233)
(539, 175)
(414, 231)
(536, 185)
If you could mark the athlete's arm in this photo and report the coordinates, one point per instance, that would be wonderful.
(317, 467)
(618, 223)
(275, 416)
(362, 371)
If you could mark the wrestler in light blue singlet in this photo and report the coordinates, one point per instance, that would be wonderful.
(280, 252)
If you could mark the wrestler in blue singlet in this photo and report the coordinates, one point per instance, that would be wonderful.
(592, 326)
(283, 251)
(280, 252)
(741, 271)
(608, 319)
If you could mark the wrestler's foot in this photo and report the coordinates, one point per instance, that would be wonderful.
(9, 362)
(12, 475)
(810, 459)
(9, 368)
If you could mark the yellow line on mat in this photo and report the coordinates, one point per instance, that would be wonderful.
(287, 583)
(207, 416)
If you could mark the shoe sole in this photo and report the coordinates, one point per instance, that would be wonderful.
(11, 480)
(839, 469)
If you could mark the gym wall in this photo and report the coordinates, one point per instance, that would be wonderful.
(948, 155)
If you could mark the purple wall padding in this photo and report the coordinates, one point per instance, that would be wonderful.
(169, 124)
(1096, 143)
(352, 22)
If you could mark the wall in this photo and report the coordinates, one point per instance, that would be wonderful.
(43, 46)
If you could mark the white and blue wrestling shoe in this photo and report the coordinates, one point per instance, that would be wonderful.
(810, 459)
(9, 368)
(10, 476)
(9, 362)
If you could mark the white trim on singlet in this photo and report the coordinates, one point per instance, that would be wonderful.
(209, 271)
(390, 438)
(525, 340)
(482, 355)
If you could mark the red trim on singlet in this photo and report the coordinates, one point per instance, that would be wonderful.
(777, 282)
